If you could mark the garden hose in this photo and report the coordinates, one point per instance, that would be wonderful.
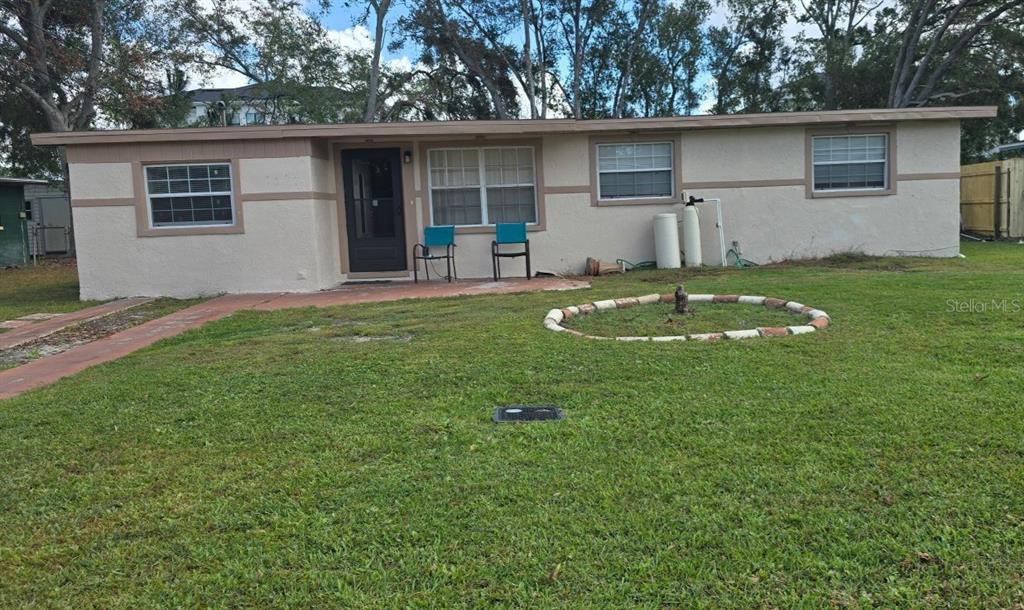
(740, 262)
(629, 265)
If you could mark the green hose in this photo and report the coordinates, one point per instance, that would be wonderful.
(631, 265)
(740, 263)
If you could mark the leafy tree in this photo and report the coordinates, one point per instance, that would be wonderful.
(65, 62)
(579, 22)
(668, 69)
(456, 33)
(276, 44)
(748, 56)
(936, 37)
(828, 57)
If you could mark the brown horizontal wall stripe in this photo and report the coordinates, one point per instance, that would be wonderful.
(102, 203)
(407, 130)
(742, 184)
(929, 176)
(567, 190)
(288, 196)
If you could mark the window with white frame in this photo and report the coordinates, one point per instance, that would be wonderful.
(634, 171)
(190, 195)
(851, 162)
(482, 186)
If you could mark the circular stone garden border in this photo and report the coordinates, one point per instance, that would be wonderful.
(819, 320)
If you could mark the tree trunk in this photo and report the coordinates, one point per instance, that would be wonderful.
(625, 76)
(500, 109)
(380, 13)
(577, 62)
(525, 6)
(538, 29)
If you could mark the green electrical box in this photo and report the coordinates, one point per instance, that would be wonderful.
(13, 226)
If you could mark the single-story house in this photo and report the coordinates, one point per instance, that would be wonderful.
(182, 212)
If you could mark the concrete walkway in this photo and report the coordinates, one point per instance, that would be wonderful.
(46, 370)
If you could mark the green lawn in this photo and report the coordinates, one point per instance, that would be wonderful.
(346, 458)
(47, 288)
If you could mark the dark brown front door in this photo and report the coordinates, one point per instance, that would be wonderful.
(373, 209)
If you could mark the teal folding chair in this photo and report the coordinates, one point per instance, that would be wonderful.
(509, 233)
(435, 237)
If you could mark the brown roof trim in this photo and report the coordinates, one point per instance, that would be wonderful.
(511, 128)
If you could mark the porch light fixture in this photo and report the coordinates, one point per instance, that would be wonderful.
(407, 157)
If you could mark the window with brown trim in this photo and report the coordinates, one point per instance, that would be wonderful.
(854, 162)
(482, 186)
(190, 195)
(634, 170)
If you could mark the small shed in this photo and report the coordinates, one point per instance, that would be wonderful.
(14, 234)
(992, 198)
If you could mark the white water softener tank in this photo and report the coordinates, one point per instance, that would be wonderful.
(666, 241)
(691, 234)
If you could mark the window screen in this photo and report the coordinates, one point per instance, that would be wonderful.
(855, 162)
(188, 195)
(482, 186)
(630, 171)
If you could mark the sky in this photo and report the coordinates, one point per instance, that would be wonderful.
(342, 23)
(342, 28)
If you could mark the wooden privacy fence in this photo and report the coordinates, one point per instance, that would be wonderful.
(992, 198)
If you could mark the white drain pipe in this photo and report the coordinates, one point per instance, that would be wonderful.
(719, 227)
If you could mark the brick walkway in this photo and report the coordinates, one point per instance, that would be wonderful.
(44, 371)
(36, 330)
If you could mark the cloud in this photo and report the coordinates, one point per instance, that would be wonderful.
(356, 38)
(221, 79)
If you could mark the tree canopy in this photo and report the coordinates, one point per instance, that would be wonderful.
(83, 64)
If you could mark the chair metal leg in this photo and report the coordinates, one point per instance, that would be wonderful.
(454, 271)
(494, 261)
(528, 274)
(448, 260)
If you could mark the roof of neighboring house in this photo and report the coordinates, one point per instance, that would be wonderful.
(519, 127)
(8, 180)
(1005, 148)
(255, 91)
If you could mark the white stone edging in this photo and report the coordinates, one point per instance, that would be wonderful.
(819, 320)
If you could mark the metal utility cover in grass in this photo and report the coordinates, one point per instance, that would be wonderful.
(524, 413)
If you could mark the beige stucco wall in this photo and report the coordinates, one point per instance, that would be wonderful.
(291, 238)
(268, 257)
(771, 223)
(288, 244)
(277, 175)
(928, 147)
(778, 223)
(101, 180)
(564, 161)
(762, 153)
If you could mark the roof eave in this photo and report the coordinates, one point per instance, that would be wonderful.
(511, 127)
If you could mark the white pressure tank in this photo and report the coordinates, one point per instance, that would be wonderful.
(691, 236)
(666, 241)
